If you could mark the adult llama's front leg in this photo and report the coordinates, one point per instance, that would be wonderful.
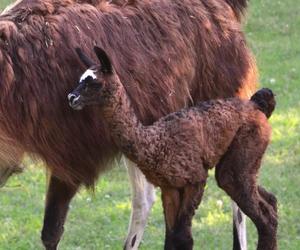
(59, 196)
(143, 197)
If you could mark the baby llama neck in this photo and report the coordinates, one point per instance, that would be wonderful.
(131, 137)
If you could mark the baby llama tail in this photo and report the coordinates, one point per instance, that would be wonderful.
(265, 101)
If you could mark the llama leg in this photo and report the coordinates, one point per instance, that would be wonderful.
(59, 195)
(179, 209)
(257, 208)
(270, 198)
(239, 228)
(236, 174)
(143, 197)
(191, 198)
(171, 205)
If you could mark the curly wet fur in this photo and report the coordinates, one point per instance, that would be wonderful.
(176, 152)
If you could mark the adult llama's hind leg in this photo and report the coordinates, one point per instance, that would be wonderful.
(143, 196)
(236, 174)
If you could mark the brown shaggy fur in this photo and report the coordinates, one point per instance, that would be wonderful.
(37, 55)
(197, 45)
(176, 152)
(9, 156)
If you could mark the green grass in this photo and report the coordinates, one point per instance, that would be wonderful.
(100, 221)
(4, 3)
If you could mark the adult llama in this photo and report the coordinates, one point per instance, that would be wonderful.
(169, 53)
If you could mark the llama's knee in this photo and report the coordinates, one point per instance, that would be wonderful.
(273, 201)
(268, 209)
(269, 216)
(269, 197)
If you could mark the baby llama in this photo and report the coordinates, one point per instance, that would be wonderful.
(176, 152)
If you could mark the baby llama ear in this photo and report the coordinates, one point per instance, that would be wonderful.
(106, 66)
(84, 59)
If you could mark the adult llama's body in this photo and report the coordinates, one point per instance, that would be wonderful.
(169, 54)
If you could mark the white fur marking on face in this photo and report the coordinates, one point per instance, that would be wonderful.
(88, 73)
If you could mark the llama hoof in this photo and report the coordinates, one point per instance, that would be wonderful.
(132, 243)
(51, 247)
